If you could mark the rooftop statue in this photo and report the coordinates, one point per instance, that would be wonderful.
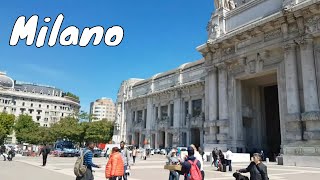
(226, 4)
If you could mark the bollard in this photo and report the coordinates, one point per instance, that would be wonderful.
(267, 159)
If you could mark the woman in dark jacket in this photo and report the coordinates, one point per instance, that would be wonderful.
(222, 161)
(258, 171)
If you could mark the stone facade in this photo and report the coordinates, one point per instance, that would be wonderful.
(260, 45)
(258, 85)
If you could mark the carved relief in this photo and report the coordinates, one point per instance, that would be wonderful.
(272, 35)
(313, 24)
(228, 51)
(249, 42)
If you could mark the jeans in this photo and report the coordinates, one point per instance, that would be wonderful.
(174, 175)
(115, 178)
(229, 164)
(134, 159)
(124, 177)
(87, 176)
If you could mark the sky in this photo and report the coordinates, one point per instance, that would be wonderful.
(159, 35)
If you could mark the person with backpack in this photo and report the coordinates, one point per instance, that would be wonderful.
(198, 156)
(258, 171)
(84, 164)
(115, 165)
(125, 156)
(191, 166)
(44, 151)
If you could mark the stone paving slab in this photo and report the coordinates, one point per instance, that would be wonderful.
(152, 168)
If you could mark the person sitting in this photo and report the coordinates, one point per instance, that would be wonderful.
(173, 160)
(258, 171)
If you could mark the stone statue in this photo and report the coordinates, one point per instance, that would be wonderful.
(232, 5)
(223, 4)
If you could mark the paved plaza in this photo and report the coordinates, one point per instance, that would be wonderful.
(28, 168)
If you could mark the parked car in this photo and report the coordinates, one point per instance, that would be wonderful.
(157, 151)
(64, 149)
(97, 152)
(163, 152)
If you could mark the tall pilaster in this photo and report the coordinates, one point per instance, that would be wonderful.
(149, 119)
(292, 91)
(223, 104)
(311, 114)
(211, 104)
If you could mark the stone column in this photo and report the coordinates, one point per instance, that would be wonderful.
(149, 119)
(311, 113)
(143, 113)
(223, 103)
(166, 139)
(159, 111)
(156, 139)
(136, 116)
(177, 110)
(190, 107)
(213, 95)
(293, 101)
(309, 76)
(212, 102)
(222, 85)
(292, 90)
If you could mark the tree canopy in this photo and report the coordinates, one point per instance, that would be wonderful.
(26, 130)
(6, 125)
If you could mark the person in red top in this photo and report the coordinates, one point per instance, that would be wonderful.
(115, 165)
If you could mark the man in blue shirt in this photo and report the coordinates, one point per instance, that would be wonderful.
(87, 160)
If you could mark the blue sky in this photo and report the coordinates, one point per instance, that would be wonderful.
(159, 35)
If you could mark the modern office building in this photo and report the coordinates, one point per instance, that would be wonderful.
(46, 104)
(103, 108)
(257, 87)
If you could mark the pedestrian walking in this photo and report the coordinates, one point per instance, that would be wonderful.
(125, 156)
(3, 152)
(258, 171)
(222, 162)
(229, 159)
(87, 160)
(44, 151)
(215, 157)
(115, 165)
(134, 154)
(198, 156)
(107, 153)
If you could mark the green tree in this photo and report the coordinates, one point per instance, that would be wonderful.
(45, 135)
(67, 128)
(99, 131)
(26, 130)
(6, 125)
(84, 116)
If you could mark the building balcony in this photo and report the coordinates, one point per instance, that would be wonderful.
(196, 121)
(163, 122)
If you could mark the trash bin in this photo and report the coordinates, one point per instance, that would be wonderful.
(280, 160)
(267, 160)
(209, 158)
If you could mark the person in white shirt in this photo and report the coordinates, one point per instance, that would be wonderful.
(198, 156)
(229, 159)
